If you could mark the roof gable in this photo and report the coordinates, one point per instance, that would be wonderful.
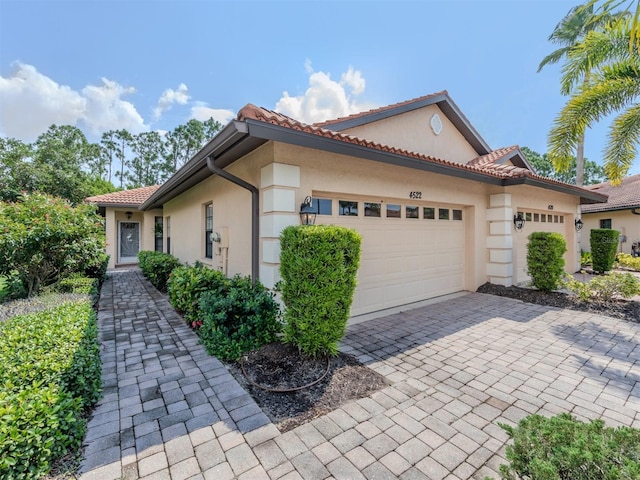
(621, 197)
(124, 198)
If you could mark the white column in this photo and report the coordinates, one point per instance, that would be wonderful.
(500, 240)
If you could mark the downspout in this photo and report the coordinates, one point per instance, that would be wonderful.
(255, 214)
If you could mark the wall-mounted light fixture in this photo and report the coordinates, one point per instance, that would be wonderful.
(518, 221)
(129, 215)
(578, 224)
(307, 212)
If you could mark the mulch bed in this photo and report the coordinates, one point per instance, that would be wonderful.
(278, 366)
(625, 309)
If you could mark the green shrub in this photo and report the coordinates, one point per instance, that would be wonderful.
(585, 259)
(545, 260)
(11, 286)
(628, 261)
(563, 448)
(240, 318)
(97, 269)
(606, 288)
(604, 243)
(318, 265)
(187, 283)
(37, 304)
(78, 284)
(45, 238)
(157, 267)
(38, 425)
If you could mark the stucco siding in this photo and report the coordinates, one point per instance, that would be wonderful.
(624, 221)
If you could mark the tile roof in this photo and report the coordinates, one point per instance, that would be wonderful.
(380, 109)
(134, 197)
(625, 195)
(494, 156)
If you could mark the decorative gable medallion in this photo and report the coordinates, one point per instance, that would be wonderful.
(436, 124)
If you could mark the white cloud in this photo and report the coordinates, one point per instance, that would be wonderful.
(202, 112)
(169, 97)
(325, 98)
(31, 102)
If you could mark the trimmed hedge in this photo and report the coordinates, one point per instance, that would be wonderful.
(239, 318)
(545, 260)
(561, 447)
(50, 371)
(157, 267)
(187, 283)
(604, 244)
(78, 284)
(318, 265)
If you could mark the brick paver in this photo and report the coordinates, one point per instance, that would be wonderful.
(456, 369)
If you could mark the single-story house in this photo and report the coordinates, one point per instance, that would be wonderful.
(440, 211)
(621, 212)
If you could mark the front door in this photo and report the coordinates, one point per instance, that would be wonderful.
(129, 242)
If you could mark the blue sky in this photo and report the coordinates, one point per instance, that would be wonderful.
(145, 65)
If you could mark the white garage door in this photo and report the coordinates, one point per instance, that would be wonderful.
(537, 221)
(411, 251)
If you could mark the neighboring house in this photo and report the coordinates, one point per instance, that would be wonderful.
(434, 203)
(129, 230)
(620, 212)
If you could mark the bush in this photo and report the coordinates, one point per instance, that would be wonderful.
(97, 269)
(187, 283)
(563, 448)
(45, 238)
(240, 318)
(11, 286)
(50, 372)
(78, 284)
(628, 261)
(157, 267)
(606, 288)
(545, 260)
(318, 265)
(604, 243)
(585, 259)
(37, 304)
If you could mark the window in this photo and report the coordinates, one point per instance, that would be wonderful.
(157, 229)
(555, 219)
(527, 216)
(543, 218)
(412, 212)
(536, 217)
(561, 218)
(372, 209)
(324, 206)
(208, 230)
(429, 213)
(168, 234)
(550, 218)
(605, 223)
(347, 208)
(393, 210)
(443, 214)
(457, 214)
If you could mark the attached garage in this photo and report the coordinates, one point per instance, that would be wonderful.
(411, 251)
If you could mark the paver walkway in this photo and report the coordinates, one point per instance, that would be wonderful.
(170, 411)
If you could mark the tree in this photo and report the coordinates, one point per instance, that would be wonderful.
(17, 172)
(593, 173)
(185, 140)
(146, 168)
(108, 150)
(123, 140)
(569, 32)
(613, 87)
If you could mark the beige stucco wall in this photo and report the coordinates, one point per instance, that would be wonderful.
(412, 131)
(624, 221)
(114, 215)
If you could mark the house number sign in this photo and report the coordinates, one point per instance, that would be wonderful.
(415, 195)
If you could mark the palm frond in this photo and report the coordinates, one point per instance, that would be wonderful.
(621, 150)
(554, 57)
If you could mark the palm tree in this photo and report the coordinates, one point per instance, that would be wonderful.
(613, 64)
(569, 32)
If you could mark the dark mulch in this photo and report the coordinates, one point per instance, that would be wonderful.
(278, 366)
(624, 309)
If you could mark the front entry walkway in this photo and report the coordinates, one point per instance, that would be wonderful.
(170, 411)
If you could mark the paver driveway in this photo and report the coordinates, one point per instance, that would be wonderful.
(457, 367)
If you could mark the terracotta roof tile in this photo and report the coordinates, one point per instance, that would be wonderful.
(625, 195)
(133, 197)
(493, 157)
(377, 110)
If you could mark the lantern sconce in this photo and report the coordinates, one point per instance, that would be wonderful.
(518, 221)
(129, 215)
(579, 224)
(307, 212)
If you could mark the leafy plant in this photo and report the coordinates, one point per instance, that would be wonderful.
(241, 317)
(40, 303)
(585, 259)
(157, 267)
(318, 265)
(606, 288)
(187, 283)
(604, 243)
(77, 283)
(545, 261)
(561, 447)
(45, 238)
(11, 286)
(628, 261)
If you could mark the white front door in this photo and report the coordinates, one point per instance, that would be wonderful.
(128, 242)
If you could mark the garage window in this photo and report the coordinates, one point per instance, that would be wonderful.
(456, 214)
(372, 209)
(443, 214)
(393, 210)
(347, 208)
(324, 206)
(412, 212)
(536, 217)
(429, 213)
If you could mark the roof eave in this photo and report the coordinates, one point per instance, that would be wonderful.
(586, 196)
(613, 209)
